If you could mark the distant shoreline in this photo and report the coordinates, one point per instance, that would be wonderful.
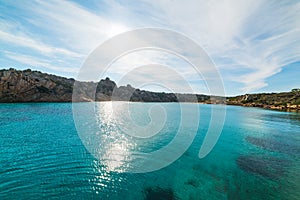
(27, 86)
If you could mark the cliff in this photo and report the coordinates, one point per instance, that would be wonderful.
(35, 86)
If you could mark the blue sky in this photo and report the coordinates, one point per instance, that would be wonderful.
(255, 45)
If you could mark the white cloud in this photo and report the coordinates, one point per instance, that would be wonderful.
(26, 41)
(73, 25)
(260, 36)
(249, 41)
(38, 63)
(59, 31)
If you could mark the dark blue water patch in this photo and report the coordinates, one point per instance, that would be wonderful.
(284, 117)
(158, 193)
(269, 167)
(272, 144)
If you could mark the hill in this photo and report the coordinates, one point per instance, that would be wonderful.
(287, 101)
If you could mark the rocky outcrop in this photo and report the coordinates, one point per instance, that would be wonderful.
(35, 86)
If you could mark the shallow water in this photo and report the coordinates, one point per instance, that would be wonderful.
(256, 157)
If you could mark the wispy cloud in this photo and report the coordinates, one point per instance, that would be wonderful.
(38, 62)
(73, 25)
(34, 44)
(249, 41)
(260, 36)
(53, 31)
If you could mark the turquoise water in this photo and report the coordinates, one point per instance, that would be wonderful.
(42, 156)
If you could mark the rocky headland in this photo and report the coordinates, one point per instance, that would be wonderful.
(35, 86)
(285, 101)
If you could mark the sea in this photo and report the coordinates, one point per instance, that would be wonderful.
(103, 151)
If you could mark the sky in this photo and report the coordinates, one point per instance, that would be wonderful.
(254, 45)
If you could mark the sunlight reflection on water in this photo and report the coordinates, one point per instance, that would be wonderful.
(116, 147)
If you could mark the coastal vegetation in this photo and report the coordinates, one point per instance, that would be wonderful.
(280, 101)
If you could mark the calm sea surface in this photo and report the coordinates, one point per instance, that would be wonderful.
(42, 157)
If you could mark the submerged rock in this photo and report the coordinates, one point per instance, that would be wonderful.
(158, 193)
(273, 145)
(192, 182)
(272, 168)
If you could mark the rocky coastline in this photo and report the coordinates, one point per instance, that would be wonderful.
(35, 86)
(284, 101)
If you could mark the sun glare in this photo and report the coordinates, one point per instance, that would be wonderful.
(116, 29)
